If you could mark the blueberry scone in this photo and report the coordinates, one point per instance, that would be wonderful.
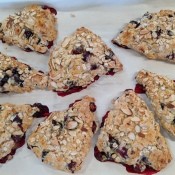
(131, 136)
(64, 138)
(19, 77)
(79, 60)
(152, 35)
(32, 29)
(14, 122)
(161, 92)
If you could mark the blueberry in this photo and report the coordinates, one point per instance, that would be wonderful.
(139, 167)
(78, 50)
(158, 32)
(99, 155)
(137, 24)
(123, 152)
(94, 67)
(112, 141)
(31, 146)
(148, 15)
(52, 10)
(44, 153)
(17, 78)
(86, 56)
(171, 56)
(43, 110)
(162, 106)
(50, 44)
(17, 138)
(92, 107)
(39, 40)
(29, 68)
(71, 166)
(119, 45)
(27, 49)
(4, 80)
(109, 57)
(170, 16)
(54, 123)
(71, 84)
(15, 70)
(17, 119)
(28, 33)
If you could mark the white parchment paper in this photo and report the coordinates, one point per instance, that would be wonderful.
(105, 18)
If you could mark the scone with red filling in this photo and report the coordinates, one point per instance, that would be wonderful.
(161, 92)
(152, 35)
(79, 60)
(18, 77)
(14, 122)
(32, 29)
(131, 136)
(63, 140)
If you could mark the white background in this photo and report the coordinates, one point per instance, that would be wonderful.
(105, 18)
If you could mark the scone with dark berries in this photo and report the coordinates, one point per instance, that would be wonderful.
(63, 140)
(161, 92)
(32, 29)
(152, 35)
(14, 122)
(18, 77)
(130, 136)
(79, 60)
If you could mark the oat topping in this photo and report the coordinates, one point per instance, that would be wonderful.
(14, 122)
(32, 29)
(64, 138)
(161, 91)
(19, 77)
(152, 35)
(79, 60)
(132, 138)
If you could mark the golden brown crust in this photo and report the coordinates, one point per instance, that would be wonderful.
(161, 91)
(78, 59)
(64, 138)
(19, 77)
(32, 28)
(14, 122)
(152, 35)
(131, 135)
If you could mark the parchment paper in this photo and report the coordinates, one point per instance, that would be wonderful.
(104, 18)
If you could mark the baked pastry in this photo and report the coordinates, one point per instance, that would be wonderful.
(19, 77)
(32, 29)
(64, 138)
(161, 92)
(152, 35)
(130, 135)
(14, 122)
(79, 60)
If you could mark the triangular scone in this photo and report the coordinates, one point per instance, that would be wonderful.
(80, 60)
(32, 29)
(14, 122)
(161, 91)
(131, 136)
(19, 77)
(152, 35)
(63, 140)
